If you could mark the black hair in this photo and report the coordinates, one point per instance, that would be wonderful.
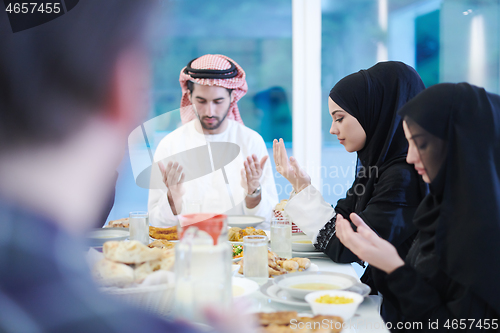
(55, 75)
(190, 86)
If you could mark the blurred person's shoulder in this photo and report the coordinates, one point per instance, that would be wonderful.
(45, 278)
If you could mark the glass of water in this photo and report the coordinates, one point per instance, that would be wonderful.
(139, 227)
(281, 237)
(255, 264)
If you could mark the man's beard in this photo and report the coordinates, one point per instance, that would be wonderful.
(217, 124)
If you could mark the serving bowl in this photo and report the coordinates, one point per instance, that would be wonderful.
(344, 310)
(298, 285)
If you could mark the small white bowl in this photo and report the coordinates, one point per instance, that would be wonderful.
(345, 311)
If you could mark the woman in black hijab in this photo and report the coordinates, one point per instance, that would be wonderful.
(386, 190)
(451, 272)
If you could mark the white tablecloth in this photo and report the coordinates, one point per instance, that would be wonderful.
(366, 319)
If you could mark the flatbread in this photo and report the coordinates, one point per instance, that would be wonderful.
(112, 274)
(164, 233)
(132, 252)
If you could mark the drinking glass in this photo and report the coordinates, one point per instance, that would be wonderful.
(255, 262)
(139, 227)
(281, 237)
(202, 266)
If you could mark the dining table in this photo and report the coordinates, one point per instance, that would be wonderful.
(366, 319)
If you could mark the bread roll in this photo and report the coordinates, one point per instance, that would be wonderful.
(131, 252)
(166, 263)
(281, 205)
(162, 244)
(232, 234)
(121, 223)
(304, 263)
(290, 266)
(112, 274)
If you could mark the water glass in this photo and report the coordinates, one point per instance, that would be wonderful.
(255, 262)
(202, 266)
(281, 237)
(139, 227)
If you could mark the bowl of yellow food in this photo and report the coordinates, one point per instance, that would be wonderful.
(334, 303)
(302, 243)
(298, 285)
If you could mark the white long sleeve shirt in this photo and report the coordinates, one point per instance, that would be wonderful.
(211, 189)
(309, 211)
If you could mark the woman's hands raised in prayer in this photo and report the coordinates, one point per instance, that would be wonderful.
(289, 168)
(367, 245)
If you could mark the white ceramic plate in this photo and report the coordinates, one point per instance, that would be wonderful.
(98, 237)
(243, 221)
(243, 287)
(308, 254)
(341, 281)
(237, 259)
(312, 268)
(276, 294)
(151, 240)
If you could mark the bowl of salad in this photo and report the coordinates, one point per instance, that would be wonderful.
(237, 252)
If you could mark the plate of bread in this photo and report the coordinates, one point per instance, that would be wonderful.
(236, 234)
(293, 322)
(130, 262)
(169, 233)
(120, 223)
(279, 266)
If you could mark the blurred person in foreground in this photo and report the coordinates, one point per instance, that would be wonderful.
(71, 90)
(211, 87)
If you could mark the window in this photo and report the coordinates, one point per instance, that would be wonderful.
(444, 40)
(257, 34)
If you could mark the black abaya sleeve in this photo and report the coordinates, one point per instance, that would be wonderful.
(389, 212)
(421, 300)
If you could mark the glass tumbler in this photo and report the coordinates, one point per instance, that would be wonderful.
(281, 237)
(255, 262)
(139, 227)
